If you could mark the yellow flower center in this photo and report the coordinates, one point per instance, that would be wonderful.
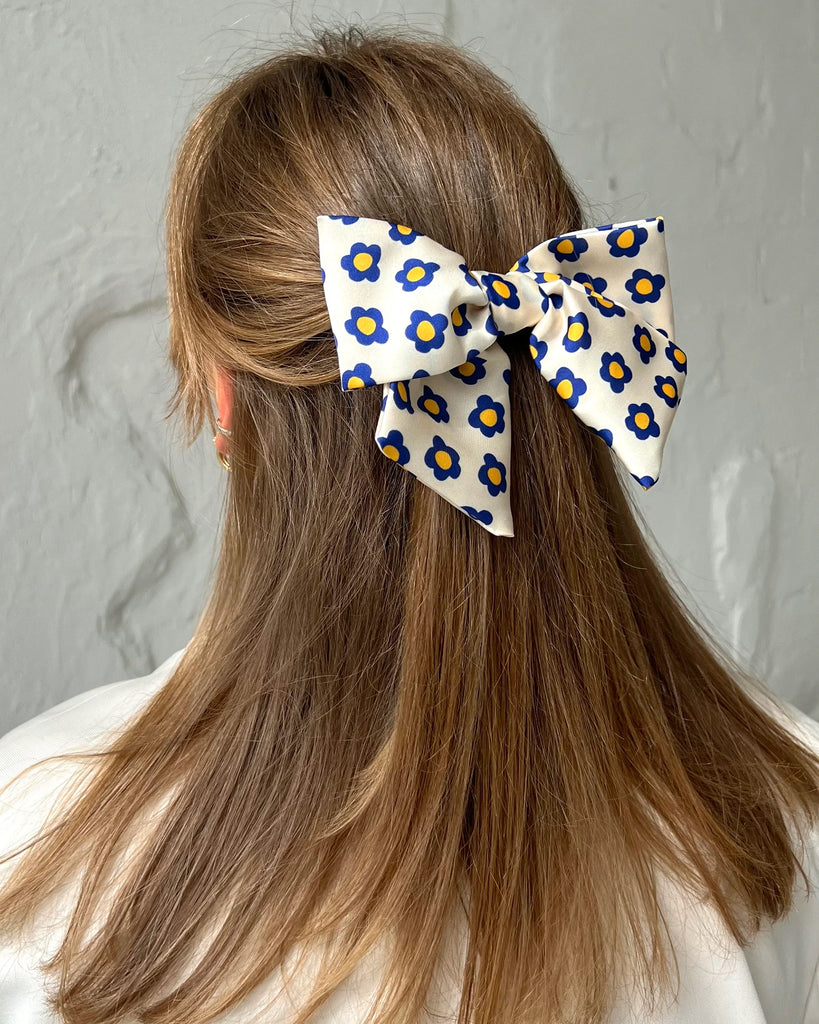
(425, 331)
(362, 260)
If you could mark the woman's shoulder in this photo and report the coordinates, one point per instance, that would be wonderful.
(81, 720)
(71, 726)
(775, 978)
(80, 723)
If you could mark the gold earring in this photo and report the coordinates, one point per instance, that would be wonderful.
(224, 460)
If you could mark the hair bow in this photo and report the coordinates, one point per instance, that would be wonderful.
(408, 313)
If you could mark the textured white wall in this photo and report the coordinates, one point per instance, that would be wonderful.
(703, 112)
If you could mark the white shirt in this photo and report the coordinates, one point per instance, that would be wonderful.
(775, 980)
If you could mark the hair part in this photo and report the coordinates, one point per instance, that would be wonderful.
(389, 722)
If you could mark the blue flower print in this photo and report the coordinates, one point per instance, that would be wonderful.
(605, 227)
(538, 350)
(521, 264)
(608, 307)
(627, 241)
(392, 445)
(426, 329)
(605, 433)
(460, 324)
(660, 223)
(360, 376)
(482, 516)
(614, 370)
(416, 273)
(666, 388)
(644, 343)
(542, 276)
(500, 291)
(643, 286)
(400, 395)
(401, 233)
(569, 387)
(492, 474)
(567, 247)
(472, 369)
(322, 275)
(442, 460)
(384, 401)
(489, 324)
(343, 218)
(641, 420)
(677, 357)
(420, 373)
(487, 416)
(507, 375)
(553, 301)
(367, 325)
(434, 405)
(361, 262)
(645, 481)
(577, 333)
(591, 284)
(469, 277)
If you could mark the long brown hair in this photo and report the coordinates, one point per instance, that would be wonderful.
(389, 720)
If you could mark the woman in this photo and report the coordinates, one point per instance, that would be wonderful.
(499, 772)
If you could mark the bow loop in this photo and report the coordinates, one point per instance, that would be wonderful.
(400, 303)
(409, 314)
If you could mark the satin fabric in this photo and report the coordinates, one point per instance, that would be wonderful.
(409, 314)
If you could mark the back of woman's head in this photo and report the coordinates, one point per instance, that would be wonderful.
(385, 708)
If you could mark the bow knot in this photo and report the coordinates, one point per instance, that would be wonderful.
(408, 313)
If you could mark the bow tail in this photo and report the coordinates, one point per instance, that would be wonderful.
(628, 396)
(453, 433)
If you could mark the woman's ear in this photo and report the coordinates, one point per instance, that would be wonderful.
(223, 391)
